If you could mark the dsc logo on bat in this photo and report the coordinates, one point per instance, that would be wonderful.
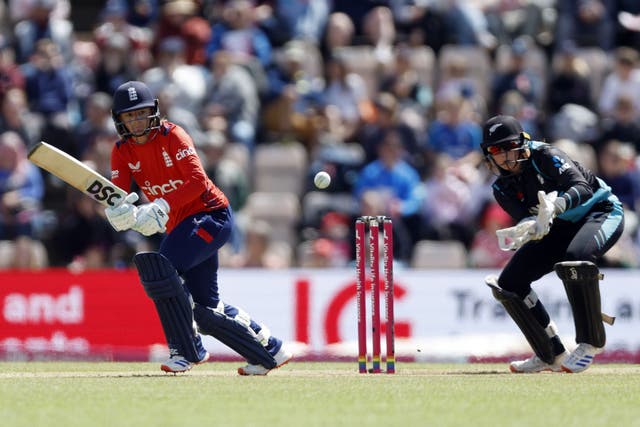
(103, 192)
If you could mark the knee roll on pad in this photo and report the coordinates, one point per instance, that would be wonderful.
(163, 285)
(520, 311)
(581, 282)
(235, 333)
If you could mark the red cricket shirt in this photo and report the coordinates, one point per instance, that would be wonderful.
(167, 167)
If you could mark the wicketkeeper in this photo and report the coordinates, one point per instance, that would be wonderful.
(567, 219)
(182, 278)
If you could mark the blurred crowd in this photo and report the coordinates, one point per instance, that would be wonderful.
(387, 96)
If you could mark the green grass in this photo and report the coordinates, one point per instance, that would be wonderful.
(314, 394)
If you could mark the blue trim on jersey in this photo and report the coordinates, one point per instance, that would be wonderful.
(610, 225)
(577, 213)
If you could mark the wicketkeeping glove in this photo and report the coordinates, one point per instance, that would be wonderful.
(512, 238)
(123, 216)
(152, 217)
(547, 211)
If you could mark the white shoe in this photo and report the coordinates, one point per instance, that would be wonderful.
(282, 357)
(176, 364)
(581, 358)
(535, 364)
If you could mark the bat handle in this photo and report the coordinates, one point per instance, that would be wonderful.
(131, 198)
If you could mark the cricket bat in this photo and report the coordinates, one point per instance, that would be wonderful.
(77, 174)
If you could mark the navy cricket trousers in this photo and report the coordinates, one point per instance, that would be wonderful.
(192, 247)
(585, 240)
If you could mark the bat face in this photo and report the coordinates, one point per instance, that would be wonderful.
(77, 174)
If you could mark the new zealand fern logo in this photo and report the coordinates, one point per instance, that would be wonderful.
(560, 164)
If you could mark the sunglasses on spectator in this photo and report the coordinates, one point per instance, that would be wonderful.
(504, 147)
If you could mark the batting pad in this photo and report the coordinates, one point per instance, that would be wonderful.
(537, 336)
(235, 334)
(581, 282)
(163, 285)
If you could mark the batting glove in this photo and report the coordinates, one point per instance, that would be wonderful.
(123, 216)
(152, 217)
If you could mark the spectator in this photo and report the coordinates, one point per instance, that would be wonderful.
(292, 106)
(227, 173)
(453, 133)
(86, 56)
(19, 10)
(569, 81)
(16, 117)
(40, 23)
(457, 80)
(338, 33)
(172, 69)
(513, 104)
(618, 170)
(467, 24)
(97, 122)
(143, 13)
(10, 73)
(623, 125)
(180, 18)
(48, 82)
(344, 97)
(386, 118)
(485, 251)
(356, 11)
(239, 34)
(414, 94)
(259, 250)
(451, 201)
(510, 19)
(232, 102)
(420, 23)
(331, 248)
(181, 116)
(114, 66)
(588, 23)
(83, 239)
(21, 192)
(380, 32)
(135, 39)
(519, 77)
(624, 79)
(390, 186)
(284, 20)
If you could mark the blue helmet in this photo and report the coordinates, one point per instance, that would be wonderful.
(134, 95)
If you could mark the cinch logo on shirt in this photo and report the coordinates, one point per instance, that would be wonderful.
(181, 154)
(161, 189)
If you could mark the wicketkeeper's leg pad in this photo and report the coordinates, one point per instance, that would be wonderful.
(581, 282)
(235, 332)
(539, 337)
(163, 285)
